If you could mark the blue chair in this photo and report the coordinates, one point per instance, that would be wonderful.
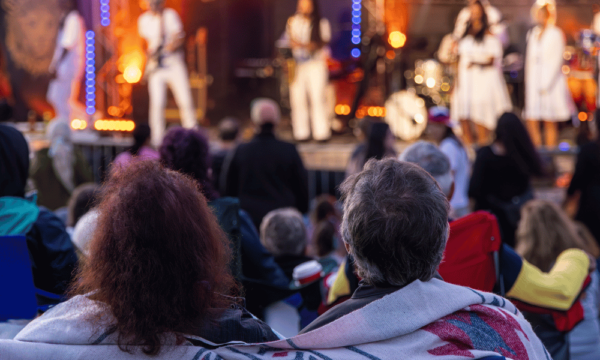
(18, 294)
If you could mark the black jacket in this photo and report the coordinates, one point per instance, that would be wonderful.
(267, 174)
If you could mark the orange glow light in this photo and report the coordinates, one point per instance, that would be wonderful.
(132, 74)
(114, 125)
(341, 109)
(391, 54)
(583, 116)
(397, 39)
(78, 124)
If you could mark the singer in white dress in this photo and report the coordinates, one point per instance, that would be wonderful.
(308, 34)
(547, 96)
(481, 96)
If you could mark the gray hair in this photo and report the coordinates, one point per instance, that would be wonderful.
(395, 222)
(264, 110)
(432, 160)
(282, 232)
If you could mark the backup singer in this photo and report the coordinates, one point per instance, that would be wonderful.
(481, 95)
(547, 96)
(308, 34)
(162, 29)
(494, 17)
(67, 66)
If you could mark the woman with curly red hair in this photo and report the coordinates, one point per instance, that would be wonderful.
(158, 267)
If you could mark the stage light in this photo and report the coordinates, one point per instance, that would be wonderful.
(90, 73)
(564, 146)
(105, 12)
(114, 125)
(419, 119)
(397, 39)
(132, 74)
(356, 26)
(419, 79)
(566, 69)
(583, 116)
(430, 83)
(78, 124)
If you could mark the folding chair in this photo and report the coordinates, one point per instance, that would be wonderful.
(471, 257)
(18, 294)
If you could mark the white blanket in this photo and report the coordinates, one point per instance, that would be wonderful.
(431, 320)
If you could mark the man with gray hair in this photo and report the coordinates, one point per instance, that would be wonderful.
(266, 173)
(283, 234)
(434, 161)
(395, 225)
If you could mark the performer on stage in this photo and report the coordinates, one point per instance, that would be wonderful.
(163, 31)
(596, 30)
(494, 18)
(308, 34)
(481, 96)
(67, 65)
(547, 96)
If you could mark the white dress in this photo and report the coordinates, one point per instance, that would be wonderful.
(481, 94)
(547, 96)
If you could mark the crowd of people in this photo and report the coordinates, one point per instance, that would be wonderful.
(213, 249)
(164, 254)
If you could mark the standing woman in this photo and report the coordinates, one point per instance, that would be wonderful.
(308, 34)
(547, 96)
(481, 95)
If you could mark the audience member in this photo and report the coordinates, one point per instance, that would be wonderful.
(157, 271)
(585, 185)
(283, 234)
(501, 179)
(395, 225)
(379, 144)
(140, 149)
(543, 234)
(83, 233)
(325, 241)
(187, 151)
(520, 279)
(57, 170)
(229, 129)
(442, 133)
(51, 252)
(266, 173)
(83, 200)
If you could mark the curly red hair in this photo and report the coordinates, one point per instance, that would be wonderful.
(158, 259)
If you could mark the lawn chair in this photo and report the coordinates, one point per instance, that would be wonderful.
(18, 295)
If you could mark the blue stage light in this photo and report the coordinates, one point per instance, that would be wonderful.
(355, 53)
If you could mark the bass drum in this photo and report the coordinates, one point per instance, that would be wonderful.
(406, 115)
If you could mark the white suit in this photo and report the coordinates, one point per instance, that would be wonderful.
(161, 29)
(547, 96)
(64, 89)
(310, 82)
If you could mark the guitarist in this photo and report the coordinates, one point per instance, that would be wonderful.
(162, 30)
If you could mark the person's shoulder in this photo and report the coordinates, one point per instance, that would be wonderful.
(170, 12)
(47, 220)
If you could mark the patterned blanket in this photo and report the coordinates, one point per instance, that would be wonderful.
(424, 320)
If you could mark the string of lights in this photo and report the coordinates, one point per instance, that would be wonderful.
(356, 27)
(90, 73)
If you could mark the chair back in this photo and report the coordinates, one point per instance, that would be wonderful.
(17, 297)
(471, 255)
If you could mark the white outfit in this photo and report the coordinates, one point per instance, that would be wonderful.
(63, 91)
(596, 29)
(547, 96)
(461, 168)
(481, 94)
(494, 20)
(583, 339)
(310, 82)
(157, 30)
